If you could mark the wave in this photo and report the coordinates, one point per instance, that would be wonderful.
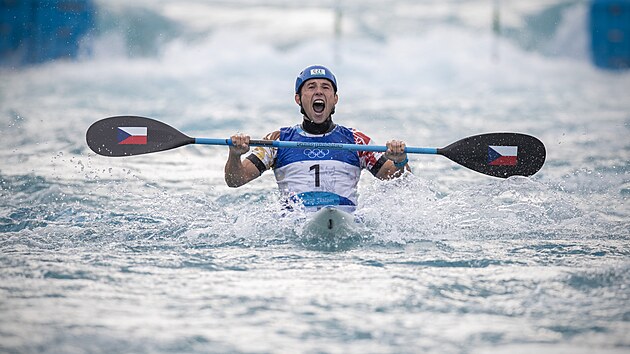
(143, 29)
(400, 212)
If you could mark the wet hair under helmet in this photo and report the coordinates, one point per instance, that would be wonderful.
(315, 72)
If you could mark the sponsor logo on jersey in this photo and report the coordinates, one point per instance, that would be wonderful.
(316, 153)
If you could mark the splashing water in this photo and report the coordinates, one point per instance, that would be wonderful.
(155, 254)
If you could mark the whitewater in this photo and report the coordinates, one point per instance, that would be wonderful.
(155, 254)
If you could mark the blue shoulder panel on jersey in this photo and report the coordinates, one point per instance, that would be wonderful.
(340, 135)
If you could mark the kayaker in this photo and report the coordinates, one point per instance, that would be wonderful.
(317, 177)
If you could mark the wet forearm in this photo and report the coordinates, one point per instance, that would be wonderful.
(235, 172)
(389, 171)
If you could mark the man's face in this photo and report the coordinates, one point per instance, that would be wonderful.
(318, 99)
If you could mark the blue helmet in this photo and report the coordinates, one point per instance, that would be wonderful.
(315, 72)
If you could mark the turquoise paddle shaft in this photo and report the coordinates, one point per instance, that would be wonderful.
(308, 145)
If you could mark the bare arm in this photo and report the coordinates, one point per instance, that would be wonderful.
(237, 172)
(395, 154)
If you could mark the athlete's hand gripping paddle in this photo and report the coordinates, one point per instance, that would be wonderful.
(494, 154)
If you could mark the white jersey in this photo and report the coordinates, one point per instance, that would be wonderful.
(318, 176)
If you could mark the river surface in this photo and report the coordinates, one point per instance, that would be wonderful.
(155, 254)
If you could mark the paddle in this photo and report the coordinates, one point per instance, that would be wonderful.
(494, 154)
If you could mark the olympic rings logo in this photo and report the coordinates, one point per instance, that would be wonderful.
(316, 153)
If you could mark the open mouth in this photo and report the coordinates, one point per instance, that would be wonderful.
(318, 106)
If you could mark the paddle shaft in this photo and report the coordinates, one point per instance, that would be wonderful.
(310, 145)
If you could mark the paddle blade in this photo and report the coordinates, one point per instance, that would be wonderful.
(130, 135)
(498, 154)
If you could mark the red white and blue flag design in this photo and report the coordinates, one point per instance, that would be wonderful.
(502, 155)
(132, 135)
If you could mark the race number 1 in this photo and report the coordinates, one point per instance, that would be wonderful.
(316, 168)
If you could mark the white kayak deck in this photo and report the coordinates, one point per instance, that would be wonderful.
(332, 229)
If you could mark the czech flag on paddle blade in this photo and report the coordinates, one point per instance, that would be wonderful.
(132, 135)
(502, 155)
